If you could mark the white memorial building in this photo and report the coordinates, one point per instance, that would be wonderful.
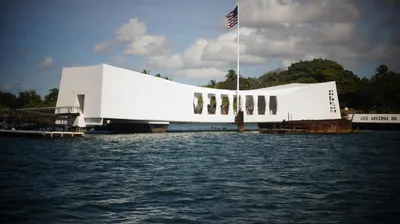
(108, 97)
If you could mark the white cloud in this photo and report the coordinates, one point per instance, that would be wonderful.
(288, 31)
(203, 73)
(131, 30)
(118, 60)
(272, 30)
(284, 30)
(218, 53)
(337, 32)
(224, 48)
(103, 47)
(135, 40)
(138, 42)
(147, 45)
(285, 63)
(263, 13)
(47, 63)
(190, 58)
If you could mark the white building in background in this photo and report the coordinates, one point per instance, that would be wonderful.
(109, 95)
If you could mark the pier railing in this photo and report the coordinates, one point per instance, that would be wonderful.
(68, 110)
(56, 110)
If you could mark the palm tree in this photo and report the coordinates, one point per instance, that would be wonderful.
(212, 83)
(163, 77)
(51, 98)
(231, 75)
(382, 69)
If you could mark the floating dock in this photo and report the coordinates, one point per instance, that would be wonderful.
(39, 134)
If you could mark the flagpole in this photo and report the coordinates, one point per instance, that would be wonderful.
(238, 57)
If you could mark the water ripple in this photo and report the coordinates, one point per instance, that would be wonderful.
(201, 177)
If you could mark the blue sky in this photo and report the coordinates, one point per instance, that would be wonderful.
(39, 37)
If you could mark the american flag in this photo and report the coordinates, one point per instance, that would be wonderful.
(232, 18)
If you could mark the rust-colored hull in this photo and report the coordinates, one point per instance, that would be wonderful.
(339, 126)
(239, 121)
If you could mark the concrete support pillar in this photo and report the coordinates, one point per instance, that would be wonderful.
(231, 111)
(255, 100)
(205, 102)
(218, 100)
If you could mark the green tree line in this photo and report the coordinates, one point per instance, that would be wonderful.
(378, 94)
(28, 99)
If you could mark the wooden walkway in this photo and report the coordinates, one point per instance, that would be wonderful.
(51, 134)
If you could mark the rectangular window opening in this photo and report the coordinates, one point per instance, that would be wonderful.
(261, 105)
(81, 102)
(273, 105)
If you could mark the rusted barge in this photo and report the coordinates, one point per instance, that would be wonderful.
(337, 126)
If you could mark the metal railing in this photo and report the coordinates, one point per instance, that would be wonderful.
(46, 111)
(68, 110)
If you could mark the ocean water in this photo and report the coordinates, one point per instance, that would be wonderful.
(202, 177)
